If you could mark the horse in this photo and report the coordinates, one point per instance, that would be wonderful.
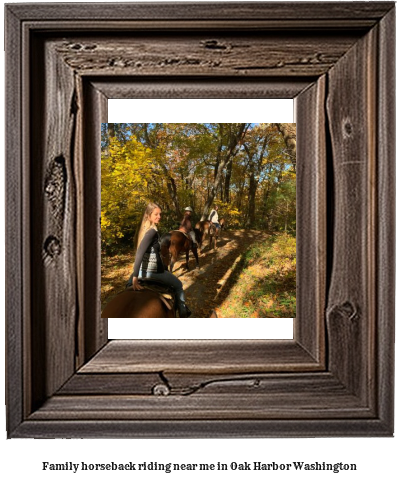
(140, 304)
(202, 228)
(223, 224)
(206, 227)
(214, 233)
(176, 242)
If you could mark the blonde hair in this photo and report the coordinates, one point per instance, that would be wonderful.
(145, 224)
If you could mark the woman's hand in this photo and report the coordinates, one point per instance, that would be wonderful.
(136, 285)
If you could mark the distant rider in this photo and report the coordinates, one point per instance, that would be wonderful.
(214, 217)
(186, 225)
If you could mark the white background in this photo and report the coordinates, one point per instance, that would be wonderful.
(376, 458)
(201, 111)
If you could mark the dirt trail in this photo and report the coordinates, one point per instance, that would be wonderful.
(206, 287)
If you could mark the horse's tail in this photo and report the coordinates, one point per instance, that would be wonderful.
(165, 240)
(198, 237)
(165, 245)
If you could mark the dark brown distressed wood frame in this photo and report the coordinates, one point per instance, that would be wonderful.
(64, 378)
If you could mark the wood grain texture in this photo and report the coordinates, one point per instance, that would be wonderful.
(250, 428)
(184, 384)
(95, 329)
(207, 11)
(200, 356)
(248, 406)
(385, 245)
(53, 247)
(15, 207)
(176, 87)
(64, 62)
(311, 219)
(243, 54)
(352, 125)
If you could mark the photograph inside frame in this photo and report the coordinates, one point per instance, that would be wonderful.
(198, 220)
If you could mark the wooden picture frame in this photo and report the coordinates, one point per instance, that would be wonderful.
(335, 378)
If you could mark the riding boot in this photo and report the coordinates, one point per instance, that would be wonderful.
(183, 310)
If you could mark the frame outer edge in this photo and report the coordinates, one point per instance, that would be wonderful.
(302, 11)
(14, 261)
(386, 219)
(16, 258)
(201, 429)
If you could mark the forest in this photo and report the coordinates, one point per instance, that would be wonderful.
(247, 169)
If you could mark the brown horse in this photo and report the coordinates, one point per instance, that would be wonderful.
(214, 234)
(223, 224)
(203, 230)
(206, 227)
(175, 243)
(139, 304)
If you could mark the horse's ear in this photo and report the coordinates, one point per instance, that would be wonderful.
(213, 314)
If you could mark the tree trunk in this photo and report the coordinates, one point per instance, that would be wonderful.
(253, 186)
(288, 131)
(170, 182)
(111, 130)
(227, 182)
(222, 161)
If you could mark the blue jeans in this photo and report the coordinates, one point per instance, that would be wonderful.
(167, 278)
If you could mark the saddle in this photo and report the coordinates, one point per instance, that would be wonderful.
(165, 293)
(185, 234)
(190, 239)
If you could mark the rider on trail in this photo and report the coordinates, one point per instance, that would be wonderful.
(186, 225)
(214, 217)
(148, 262)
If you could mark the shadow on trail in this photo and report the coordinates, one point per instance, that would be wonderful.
(216, 278)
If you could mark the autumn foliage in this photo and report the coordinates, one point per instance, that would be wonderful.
(248, 170)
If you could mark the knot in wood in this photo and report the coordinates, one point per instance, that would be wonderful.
(346, 310)
(347, 128)
(161, 390)
(50, 188)
(52, 247)
(213, 44)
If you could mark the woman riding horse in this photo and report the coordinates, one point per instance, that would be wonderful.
(148, 262)
(214, 217)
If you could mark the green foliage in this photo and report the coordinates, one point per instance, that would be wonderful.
(266, 287)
